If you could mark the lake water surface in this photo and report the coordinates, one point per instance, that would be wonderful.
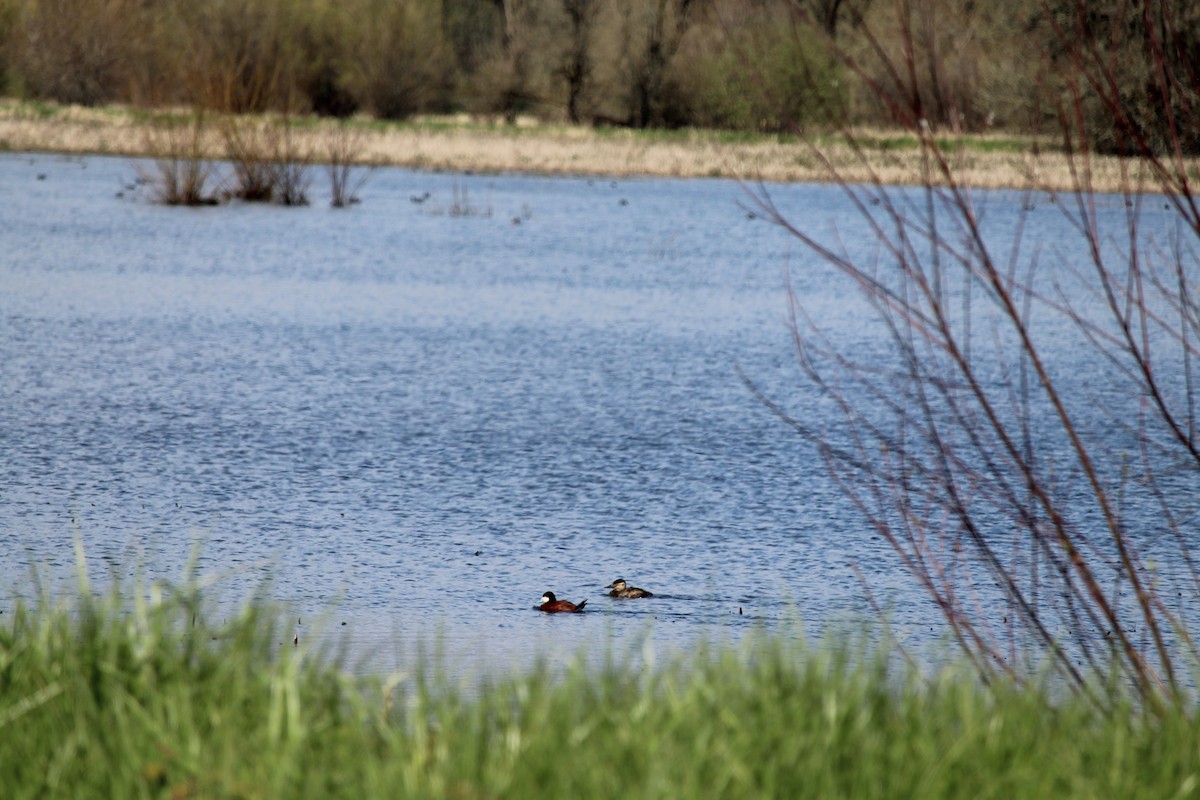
(414, 422)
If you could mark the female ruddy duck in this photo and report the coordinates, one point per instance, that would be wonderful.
(621, 589)
(552, 604)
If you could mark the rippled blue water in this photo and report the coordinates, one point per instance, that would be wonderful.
(415, 422)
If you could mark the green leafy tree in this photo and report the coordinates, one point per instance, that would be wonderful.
(397, 61)
(756, 68)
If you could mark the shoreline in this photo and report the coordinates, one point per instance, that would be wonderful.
(463, 144)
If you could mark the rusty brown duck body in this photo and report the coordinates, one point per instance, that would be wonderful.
(552, 605)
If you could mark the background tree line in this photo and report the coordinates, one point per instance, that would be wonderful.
(747, 65)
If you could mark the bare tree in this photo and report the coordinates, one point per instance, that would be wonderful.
(577, 65)
(665, 22)
(514, 93)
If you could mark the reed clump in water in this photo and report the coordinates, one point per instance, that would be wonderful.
(342, 149)
(183, 174)
(270, 162)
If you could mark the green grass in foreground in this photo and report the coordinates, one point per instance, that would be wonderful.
(97, 702)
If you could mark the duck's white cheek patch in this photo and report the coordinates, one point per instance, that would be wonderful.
(544, 600)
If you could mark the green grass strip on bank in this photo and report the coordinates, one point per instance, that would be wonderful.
(105, 701)
(877, 141)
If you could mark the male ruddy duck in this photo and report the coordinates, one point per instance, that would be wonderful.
(551, 604)
(621, 589)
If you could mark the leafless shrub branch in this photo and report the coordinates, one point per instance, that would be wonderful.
(972, 449)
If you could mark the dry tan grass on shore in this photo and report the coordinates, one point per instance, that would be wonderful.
(556, 149)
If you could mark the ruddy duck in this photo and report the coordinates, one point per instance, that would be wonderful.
(552, 604)
(621, 589)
